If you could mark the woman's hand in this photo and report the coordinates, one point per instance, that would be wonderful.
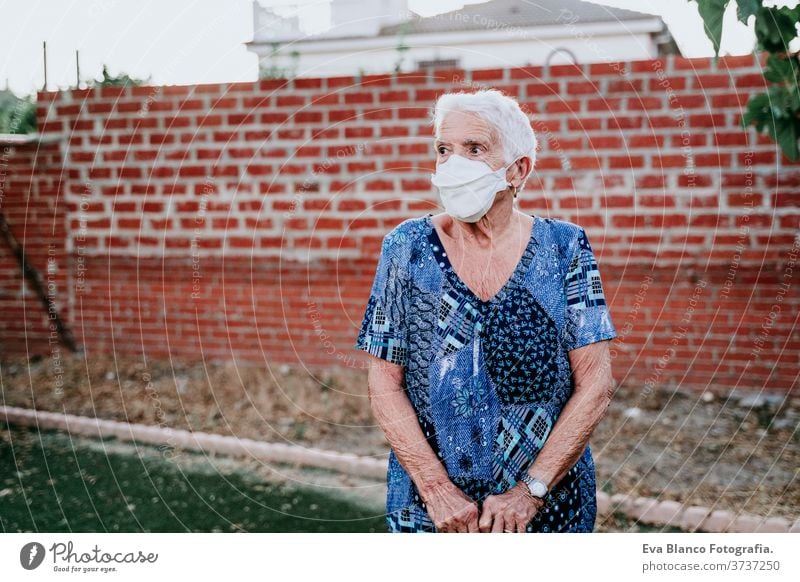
(510, 511)
(451, 510)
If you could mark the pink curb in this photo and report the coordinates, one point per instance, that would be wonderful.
(693, 517)
(643, 509)
(198, 441)
(719, 521)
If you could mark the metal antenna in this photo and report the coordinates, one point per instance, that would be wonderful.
(44, 54)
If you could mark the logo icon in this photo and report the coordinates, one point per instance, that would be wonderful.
(31, 555)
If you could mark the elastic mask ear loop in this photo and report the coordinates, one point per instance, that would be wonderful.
(510, 185)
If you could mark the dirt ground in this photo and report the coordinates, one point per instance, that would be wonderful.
(738, 451)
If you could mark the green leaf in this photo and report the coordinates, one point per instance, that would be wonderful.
(776, 28)
(747, 8)
(787, 139)
(758, 112)
(768, 112)
(712, 11)
(784, 101)
(781, 69)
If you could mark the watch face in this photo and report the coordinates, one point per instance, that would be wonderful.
(538, 489)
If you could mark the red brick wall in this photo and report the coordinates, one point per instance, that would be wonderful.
(244, 220)
(32, 203)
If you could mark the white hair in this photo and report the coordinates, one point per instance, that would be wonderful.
(501, 111)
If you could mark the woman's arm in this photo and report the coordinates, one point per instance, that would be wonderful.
(398, 420)
(591, 369)
(450, 509)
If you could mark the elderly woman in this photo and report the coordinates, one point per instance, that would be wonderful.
(487, 328)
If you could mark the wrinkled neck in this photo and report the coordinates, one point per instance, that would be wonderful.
(495, 226)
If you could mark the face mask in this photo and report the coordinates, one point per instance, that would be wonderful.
(467, 187)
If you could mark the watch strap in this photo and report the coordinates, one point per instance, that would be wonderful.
(532, 482)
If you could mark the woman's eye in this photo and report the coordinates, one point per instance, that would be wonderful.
(475, 150)
(441, 150)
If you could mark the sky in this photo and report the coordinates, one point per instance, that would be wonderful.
(201, 41)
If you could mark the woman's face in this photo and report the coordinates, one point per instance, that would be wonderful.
(467, 135)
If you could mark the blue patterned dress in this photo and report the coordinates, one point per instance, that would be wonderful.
(487, 379)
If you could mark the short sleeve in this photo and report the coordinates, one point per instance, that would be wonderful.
(384, 330)
(588, 319)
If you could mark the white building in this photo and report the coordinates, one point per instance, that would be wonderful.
(378, 36)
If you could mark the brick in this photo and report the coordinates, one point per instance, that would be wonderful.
(661, 512)
(693, 518)
(746, 524)
(603, 503)
(720, 521)
(774, 525)
(621, 502)
(640, 508)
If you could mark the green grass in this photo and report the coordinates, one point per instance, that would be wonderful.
(51, 482)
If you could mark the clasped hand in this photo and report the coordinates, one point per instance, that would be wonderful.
(453, 511)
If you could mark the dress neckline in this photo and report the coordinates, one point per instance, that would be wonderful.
(516, 275)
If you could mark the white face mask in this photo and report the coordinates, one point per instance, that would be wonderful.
(467, 187)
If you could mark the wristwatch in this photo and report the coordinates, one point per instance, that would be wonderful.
(535, 486)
